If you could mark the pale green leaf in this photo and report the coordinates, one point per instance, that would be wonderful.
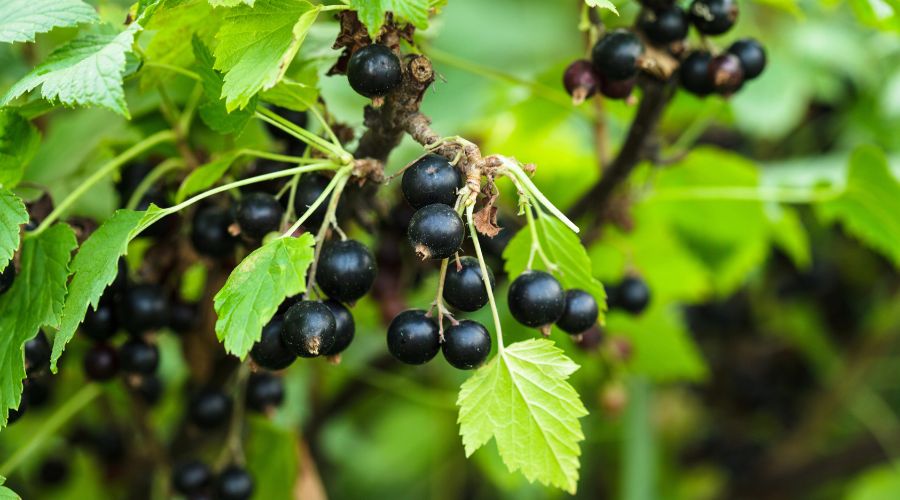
(12, 216)
(603, 4)
(175, 24)
(230, 3)
(293, 95)
(205, 176)
(522, 399)
(19, 141)
(413, 11)
(212, 110)
(20, 20)
(257, 286)
(272, 459)
(371, 14)
(790, 236)
(6, 493)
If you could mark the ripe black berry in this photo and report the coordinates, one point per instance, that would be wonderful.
(616, 55)
(309, 189)
(581, 80)
(466, 345)
(580, 312)
(726, 73)
(37, 353)
(7, 277)
(413, 337)
(464, 287)
(209, 232)
(150, 389)
(617, 89)
(102, 323)
(210, 408)
(264, 391)
(270, 352)
(374, 71)
(713, 17)
(234, 483)
(183, 317)
(665, 25)
(298, 118)
(346, 270)
(101, 362)
(191, 477)
(632, 295)
(259, 214)
(536, 299)
(694, 73)
(309, 329)
(436, 231)
(431, 179)
(344, 330)
(137, 356)
(145, 308)
(752, 56)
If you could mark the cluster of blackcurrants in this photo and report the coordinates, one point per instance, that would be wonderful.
(196, 479)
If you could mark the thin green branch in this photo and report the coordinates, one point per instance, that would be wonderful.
(470, 209)
(157, 173)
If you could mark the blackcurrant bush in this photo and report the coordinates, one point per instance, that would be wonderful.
(726, 73)
(37, 353)
(298, 118)
(466, 345)
(168, 225)
(53, 472)
(7, 276)
(145, 308)
(310, 187)
(234, 483)
(183, 317)
(713, 17)
(209, 232)
(191, 477)
(664, 25)
(580, 313)
(109, 445)
(536, 299)
(436, 231)
(632, 295)
(138, 356)
(581, 80)
(101, 362)
(344, 327)
(346, 270)
(464, 287)
(752, 56)
(270, 352)
(374, 70)
(102, 323)
(616, 55)
(150, 389)
(209, 408)
(258, 214)
(413, 337)
(264, 391)
(431, 179)
(694, 73)
(309, 329)
(617, 89)
(37, 392)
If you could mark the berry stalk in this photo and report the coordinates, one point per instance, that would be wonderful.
(470, 209)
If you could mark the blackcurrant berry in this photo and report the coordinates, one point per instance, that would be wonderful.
(581, 80)
(102, 323)
(150, 389)
(309, 329)
(191, 477)
(664, 26)
(346, 270)
(466, 345)
(145, 308)
(617, 89)
(258, 214)
(264, 391)
(209, 232)
(138, 356)
(726, 73)
(713, 17)
(37, 353)
(310, 187)
(374, 71)
(7, 276)
(234, 483)
(436, 231)
(536, 299)
(431, 179)
(632, 295)
(464, 287)
(413, 337)
(694, 73)
(270, 352)
(344, 330)
(183, 317)
(210, 408)
(616, 55)
(752, 56)
(101, 362)
(298, 118)
(580, 313)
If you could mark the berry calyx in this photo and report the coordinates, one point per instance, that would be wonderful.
(581, 80)
(264, 391)
(464, 285)
(413, 338)
(466, 345)
(346, 270)
(536, 299)
(7, 276)
(101, 323)
(234, 483)
(345, 327)
(191, 477)
(436, 231)
(309, 329)
(580, 312)
(138, 356)
(726, 73)
(145, 308)
(632, 295)
(309, 188)
(37, 353)
(209, 408)
(694, 73)
(713, 17)
(258, 214)
(270, 352)
(431, 179)
(616, 55)
(101, 362)
(664, 25)
(374, 71)
(752, 56)
(209, 232)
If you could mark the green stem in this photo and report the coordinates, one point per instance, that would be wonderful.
(470, 209)
(338, 183)
(302, 134)
(535, 193)
(761, 193)
(175, 69)
(190, 108)
(157, 173)
(340, 178)
(535, 240)
(277, 157)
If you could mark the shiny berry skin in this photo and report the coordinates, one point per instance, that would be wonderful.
(431, 179)
(536, 299)
(694, 73)
(726, 73)
(632, 295)
(209, 232)
(102, 323)
(346, 270)
(344, 330)
(145, 308)
(436, 232)
(258, 214)
(138, 356)
(264, 391)
(581, 80)
(413, 338)
(7, 276)
(616, 55)
(209, 408)
(101, 362)
(374, 70)
(270, 352)
(466, 345)
(713, 17)
(464, 287)
(234, 483)
(580, 313)
(37, 353)
(309, 329)
(752, 56)
(617, 89)
(310, 187)
(183, 318)
(665, 25)
(191, 477)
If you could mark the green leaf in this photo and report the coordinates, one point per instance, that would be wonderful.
(212, 110)
(205, 176)
(6, 493)
(93, 269)
(522, 400)
(257, 286)
(20, 20)
(230, 3)
(19, 141)
(413, 11)
(371, 14)
(790, 236)
(639, 450)
(87, 71)
(870, 203)
(292, 95)
(257, 45)
(603, 4)
(34, 300)
(176, 22)
(12, 215)
(272, 459)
